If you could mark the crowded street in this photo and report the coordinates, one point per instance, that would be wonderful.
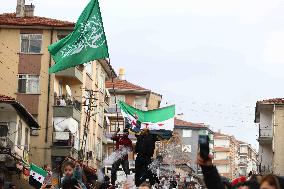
(150, 94)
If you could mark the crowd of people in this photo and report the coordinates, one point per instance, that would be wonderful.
(213, 180)
(145, 179)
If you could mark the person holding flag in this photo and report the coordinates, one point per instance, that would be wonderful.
(145, 147)
(122, 142)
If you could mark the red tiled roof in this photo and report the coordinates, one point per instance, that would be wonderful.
(11, 19)
(182, 123)
(123, 84)
(4, 98)
(272, 101)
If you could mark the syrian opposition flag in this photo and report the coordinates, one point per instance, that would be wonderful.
(37, 176)
(159, 121)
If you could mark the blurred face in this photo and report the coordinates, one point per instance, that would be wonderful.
(48, 168)
(143, 187)
(266, 185)
(243, 187)
(68, 170)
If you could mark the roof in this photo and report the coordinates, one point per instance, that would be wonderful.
(123, 84)
(271, 101)
(22, 111)
(11, 19)
(182, 123)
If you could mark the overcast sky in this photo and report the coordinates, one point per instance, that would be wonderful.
(213, 59)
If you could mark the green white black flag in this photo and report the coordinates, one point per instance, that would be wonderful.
(86, 43)
(37, 176)
(159, 121)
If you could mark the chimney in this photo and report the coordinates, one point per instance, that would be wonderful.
(20, 9)
(29, 10)
(121, 75)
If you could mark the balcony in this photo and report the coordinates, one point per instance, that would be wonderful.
(112, 110)
(73, 72)
(63, 144)
(265, 136)
(67, 108)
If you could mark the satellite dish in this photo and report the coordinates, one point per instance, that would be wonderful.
(68, 90)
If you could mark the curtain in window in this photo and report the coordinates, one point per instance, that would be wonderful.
(33, 84)
(22, 84)
(24, 43)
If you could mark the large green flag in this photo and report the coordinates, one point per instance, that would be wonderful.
(86, 43)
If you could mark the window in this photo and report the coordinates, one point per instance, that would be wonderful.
(140, 103)
(31, 43)
(114, 125)
(28, 84)
(89, 68)
(19, 141)
(27, 132)
(110, 150)
(186, 133)
(112, 106)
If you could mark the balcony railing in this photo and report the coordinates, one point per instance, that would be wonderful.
(67, 108)
(113, 110)
(62, 101)
(265, 136)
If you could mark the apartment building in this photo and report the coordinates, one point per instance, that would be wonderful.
(58, 101)
(226, 156)
(16, 124)
(189, 133)
(269, 114)
(132, 94)
(247, 159)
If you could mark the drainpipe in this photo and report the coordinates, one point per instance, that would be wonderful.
(48, 90)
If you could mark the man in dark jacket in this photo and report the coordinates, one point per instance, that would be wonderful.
(145, 147)
(121, 142)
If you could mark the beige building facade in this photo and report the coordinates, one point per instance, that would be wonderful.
(226, 155)
(269, 114)
(59, 101)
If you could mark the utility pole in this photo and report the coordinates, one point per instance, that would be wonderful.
(90, 103)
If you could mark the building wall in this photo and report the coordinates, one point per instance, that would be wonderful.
(278, 140)
(40, 145)
(154, 101)
(192, 141)
(9, 47)
(233, 157)
(266, 155)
